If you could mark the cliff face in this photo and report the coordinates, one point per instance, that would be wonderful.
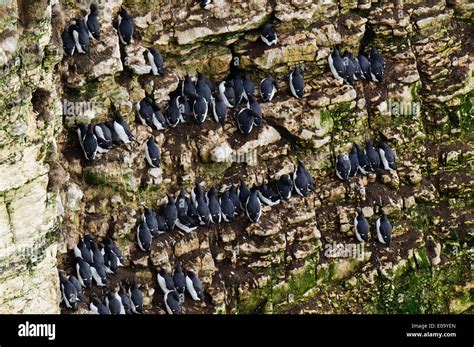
(30, 120)
(50, 196)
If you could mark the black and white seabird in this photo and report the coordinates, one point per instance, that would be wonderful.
(98, 307)
(88, 141)
(196, 192)
(309, 177)
(354, 161)
(122, 129)
(302, 180)
(377, 65)
(246, 120)
(219, 110)
(173, 115)
(82, 251)
(179, 281)
(336, 64)
(109, 242)
(249, 87)
(136, 297)
(162, 227)
(268, 35)
(170, 213)
(89, 240)
(387, 156)
(192, 213)
(73, 279)
(165, 281)
(364, 164)
(384, 230)
(145, 110)
(156, 62)
(149, 217)
(99, 274)
(188, 87)
(186, 223)
(184, 106)
(296, 83)
(115, 138)
(111, 261)
(349, 68)
(238, 88)
(172, 304)
(69, 45)
(84, 272)
(343, 167)
(144, 237)
(114, 303)
(152, 153)
(267, 195)
(104, 138)
(181, 203)
(361, 227)
(202, 88)
(158, 120)
(126, 302)
(226, 89)
(203, 211)
(253, 207)
(92, 22)
(68, 291)
(374, 158)
(244, 194)
(358, 74)
(268, 88)
(234, 196)
(364, 64)
(255, 107)
(205, 3)
(194, 286)
(200, 107)
(227, 207)
(214, 207)
(97, 256)
(80, 34)
(284, 186)
(126, 27)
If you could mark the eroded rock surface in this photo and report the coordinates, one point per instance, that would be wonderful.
(50, 196)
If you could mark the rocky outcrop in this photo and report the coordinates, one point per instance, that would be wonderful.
(29, 201)
(303, 255)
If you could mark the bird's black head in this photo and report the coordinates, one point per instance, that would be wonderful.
(123, 12)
